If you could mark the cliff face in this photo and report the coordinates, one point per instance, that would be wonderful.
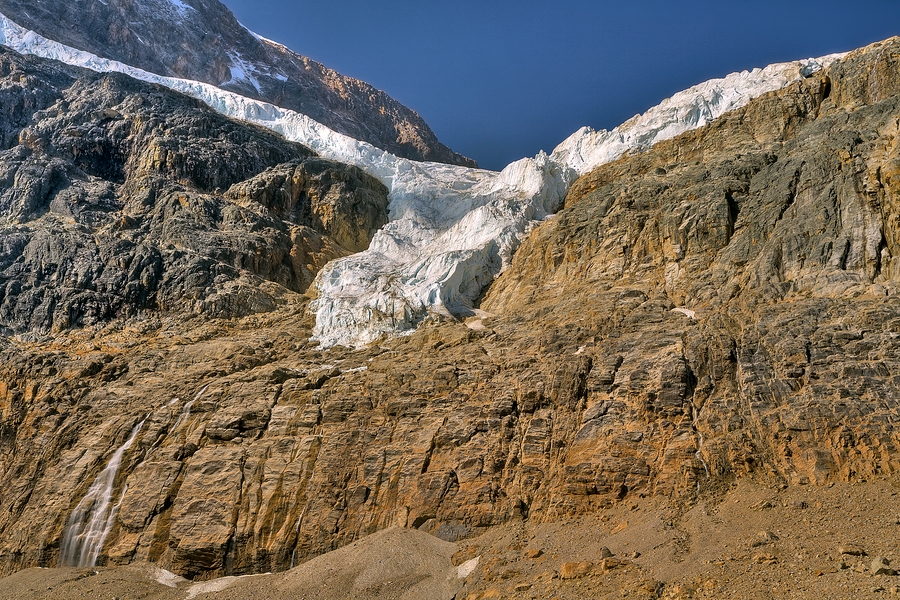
(118, 197)
(721, 305)
(201, 40)
(740, 282)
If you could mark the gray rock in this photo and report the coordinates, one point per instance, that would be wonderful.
(113, 202)
(881, 566)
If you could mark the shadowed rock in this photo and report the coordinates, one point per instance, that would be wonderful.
(114, 198)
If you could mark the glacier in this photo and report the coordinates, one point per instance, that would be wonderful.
(452, 229)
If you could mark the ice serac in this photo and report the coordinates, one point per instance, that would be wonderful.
(452, 229)
(453, 232)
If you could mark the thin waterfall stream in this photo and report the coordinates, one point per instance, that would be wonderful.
(186, 411)
(699, 453)
(91, 521)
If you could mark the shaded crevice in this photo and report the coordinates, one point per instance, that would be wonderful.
(826, 88)
(792, 195)
(231, 546)
(734, 212)
(878, 254)
(427, 462)
(845, 253)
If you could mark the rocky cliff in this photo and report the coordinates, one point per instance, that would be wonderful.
(202, 41)
(722, 305)
(119, 197)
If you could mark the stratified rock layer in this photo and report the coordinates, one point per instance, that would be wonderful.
(741, 286)
(723, 304)
(202, 41)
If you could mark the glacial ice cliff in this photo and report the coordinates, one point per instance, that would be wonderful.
(453, 229)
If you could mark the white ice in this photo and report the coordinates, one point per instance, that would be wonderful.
(181, 5)
(241, 70)
(453, 229)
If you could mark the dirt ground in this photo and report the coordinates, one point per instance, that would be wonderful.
(750, 540)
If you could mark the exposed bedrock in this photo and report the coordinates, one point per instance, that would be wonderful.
(118, 197)
(723, 305)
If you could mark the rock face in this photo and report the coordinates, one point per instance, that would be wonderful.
(118, 197)
(721, 305)
(201, 40)
(740, 287)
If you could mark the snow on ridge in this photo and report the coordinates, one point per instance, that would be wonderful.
(241, 70)
(265, 40)
(181, 5)
(686, 110)
(453, 229)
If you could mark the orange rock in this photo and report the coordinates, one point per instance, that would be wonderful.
(575, 570)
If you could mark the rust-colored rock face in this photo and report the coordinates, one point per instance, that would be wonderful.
(740, 284)
(724, 304)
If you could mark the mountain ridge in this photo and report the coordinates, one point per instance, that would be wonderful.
(704, 334)
(452, 229)
(201, 40)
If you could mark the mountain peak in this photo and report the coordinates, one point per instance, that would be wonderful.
(201, 40)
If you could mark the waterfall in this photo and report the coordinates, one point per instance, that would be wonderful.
(699, 453)
(185, 413)
(92, 519)
(296, 531)
(200, 393)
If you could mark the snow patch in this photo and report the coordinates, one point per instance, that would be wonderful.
(166, 578)
(242, 70)
(690, 314)
(466, 569)
(453, 229)
(181, 5)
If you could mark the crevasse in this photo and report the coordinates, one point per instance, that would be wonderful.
(452, 229)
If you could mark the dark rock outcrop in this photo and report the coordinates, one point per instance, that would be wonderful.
(201, 40)
(118, 196)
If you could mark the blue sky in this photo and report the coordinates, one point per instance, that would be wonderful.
(498, 80)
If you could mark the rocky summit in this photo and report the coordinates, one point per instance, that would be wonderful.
(201, 40)
(683, 386)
